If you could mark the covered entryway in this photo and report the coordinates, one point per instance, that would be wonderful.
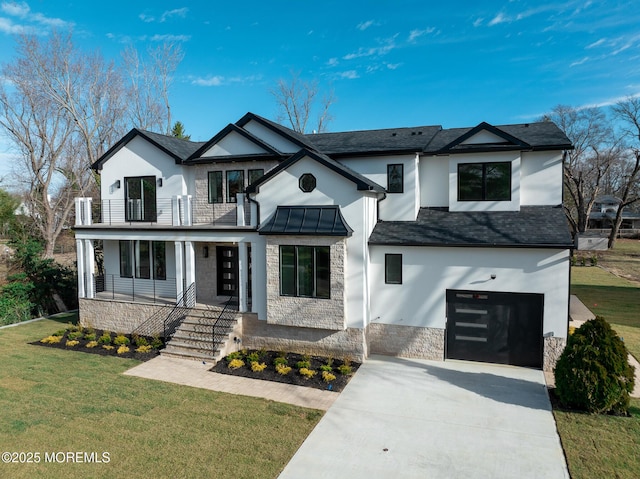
(492, 327)
(227, 267)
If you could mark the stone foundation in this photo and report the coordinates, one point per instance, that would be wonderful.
(258, 334)
(116, 316)
(553, 348)
(406, 341)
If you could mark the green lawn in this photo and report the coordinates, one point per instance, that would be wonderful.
(60, 401)
(599, 446)
(614, 298)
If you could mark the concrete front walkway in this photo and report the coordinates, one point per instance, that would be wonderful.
(197, 375)
(409, 418)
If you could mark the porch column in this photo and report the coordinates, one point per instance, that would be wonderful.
(242, 276)
(190, 268)
(89, 268)
(240, 209)
(81, 268)
(179, 255)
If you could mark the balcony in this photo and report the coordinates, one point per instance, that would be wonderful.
(175, 211)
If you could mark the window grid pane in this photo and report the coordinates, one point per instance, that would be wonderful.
(235, 184)
(395, 178)
(159, 260)
(215, 187)
(126, 270)
(393, 268)
(287, 271)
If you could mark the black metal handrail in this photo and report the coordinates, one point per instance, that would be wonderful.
(166, 320)
(225, 319)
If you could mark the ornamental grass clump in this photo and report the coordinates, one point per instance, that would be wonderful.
(327, 377)
(307, 373)
(283, 369)
(91, 344)
(236, 363)
(593, 373)
(121, 340)
(123, 349)
(257, 367)
(146, 348)
(51, 339)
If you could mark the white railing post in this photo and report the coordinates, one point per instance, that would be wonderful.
(240, 209)
(175, 210)
(253, 214)
(187, 204)
(87, 211)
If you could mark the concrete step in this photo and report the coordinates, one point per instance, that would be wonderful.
(182, 354)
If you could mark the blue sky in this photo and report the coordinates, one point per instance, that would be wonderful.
(389, 63)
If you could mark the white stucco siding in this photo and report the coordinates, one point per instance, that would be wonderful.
(427, 273)
(331, 189)
(434, 187)
(396, 206)
(141, 158)
(541, 178)
(512, 205)
(234, 144)
(270, 137)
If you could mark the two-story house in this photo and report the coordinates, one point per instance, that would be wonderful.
(419, 242)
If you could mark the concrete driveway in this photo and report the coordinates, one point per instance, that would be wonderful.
(410, 418)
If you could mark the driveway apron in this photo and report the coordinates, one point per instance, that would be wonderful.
(411, 418)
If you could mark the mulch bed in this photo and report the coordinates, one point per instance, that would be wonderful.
(293, 377)
(82, 347)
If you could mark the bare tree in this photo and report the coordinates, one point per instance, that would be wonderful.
(595, 151)
(628, 190)
(298, 101)
(150, 82)
(62, 108)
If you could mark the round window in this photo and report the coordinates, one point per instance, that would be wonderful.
(307, 182)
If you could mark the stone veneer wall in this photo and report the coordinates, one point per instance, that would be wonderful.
(205, 212)
(406, 341)
(116, 316)
(306, 312)
(258, 334)
(553, 348)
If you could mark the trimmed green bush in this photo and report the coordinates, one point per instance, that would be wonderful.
(593, 373)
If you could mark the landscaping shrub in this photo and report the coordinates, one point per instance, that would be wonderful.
(307, 373)
(236, 363)
(257, 367)
(327, 377)
(105, 339)
(123, 349)
(121, 340)
(593, 373)
(283, 369)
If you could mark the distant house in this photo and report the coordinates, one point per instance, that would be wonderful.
(418, 242)
(603, 214)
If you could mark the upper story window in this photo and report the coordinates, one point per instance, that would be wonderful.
(255, 175)
(395, 178)
(215, 186)
(484, 181)
(235, 184)
(140, 198)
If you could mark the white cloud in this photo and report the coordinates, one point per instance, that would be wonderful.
(579, 62)
(478, 22)
(595, 44)
(388, 45)
(332, 62)
(29, 20)
(393, 66)
(349, 75)
(219, 80)
(166, 15)
(498, 19)
(176, 12)
(415, 34)
(170, 38)
(364, 25)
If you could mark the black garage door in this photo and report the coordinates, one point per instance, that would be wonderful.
(503, 328)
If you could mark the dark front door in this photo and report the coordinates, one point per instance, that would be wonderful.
(503, 328)
(227, 266)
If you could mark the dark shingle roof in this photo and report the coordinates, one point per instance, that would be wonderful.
(538, 136)
(307, 220)
(374, 141)
(532, 226)
(177, 148)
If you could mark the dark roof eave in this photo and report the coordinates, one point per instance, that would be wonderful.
(475, 245)
(233, 158)
(494, 148)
